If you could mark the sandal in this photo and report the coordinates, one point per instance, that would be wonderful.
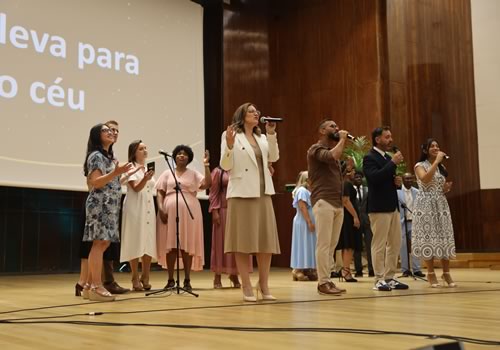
(99, 293)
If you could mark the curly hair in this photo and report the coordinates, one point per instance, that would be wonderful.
(185, 148)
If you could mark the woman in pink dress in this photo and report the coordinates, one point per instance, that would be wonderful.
(190, 231)
(219, 262)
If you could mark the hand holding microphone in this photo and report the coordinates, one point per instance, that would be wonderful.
(270, 124)
(440, 156)
(397, 158)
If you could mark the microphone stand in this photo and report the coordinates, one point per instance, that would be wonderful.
(177, 188)
(408, 243)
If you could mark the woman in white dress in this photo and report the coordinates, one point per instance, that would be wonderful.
(138, 220)
(432, 234)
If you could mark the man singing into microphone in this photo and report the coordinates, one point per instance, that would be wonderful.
(326, 197)
(380, 172)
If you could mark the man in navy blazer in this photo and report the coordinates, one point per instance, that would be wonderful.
(383, 209)
(406, 197)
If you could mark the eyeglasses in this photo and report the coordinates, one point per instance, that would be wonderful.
(253, 111)
(115, 130)
(107, 130)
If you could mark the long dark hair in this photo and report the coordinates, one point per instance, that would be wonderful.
(95, 144)
(132, 148)
(424, 155)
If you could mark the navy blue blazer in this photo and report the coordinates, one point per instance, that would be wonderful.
(382, 192)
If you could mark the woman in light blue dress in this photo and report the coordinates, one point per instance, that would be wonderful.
(303, 258)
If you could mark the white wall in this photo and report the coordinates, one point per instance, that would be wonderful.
(159, 99)
(486, 43)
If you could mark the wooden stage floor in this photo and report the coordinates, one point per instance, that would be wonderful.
(42, 313)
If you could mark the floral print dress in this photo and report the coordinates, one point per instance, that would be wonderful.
(103, 204)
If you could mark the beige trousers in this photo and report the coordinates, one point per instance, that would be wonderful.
(328, 221)
(386, 243)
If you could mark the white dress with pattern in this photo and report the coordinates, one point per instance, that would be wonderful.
(432, 234)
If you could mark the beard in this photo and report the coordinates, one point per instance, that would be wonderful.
(334, 136)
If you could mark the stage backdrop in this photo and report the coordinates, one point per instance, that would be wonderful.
(67, 65)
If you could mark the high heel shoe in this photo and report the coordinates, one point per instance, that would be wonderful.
(433, 280)
(446, 277)
(86, 291)
(78, 290)
(217, 282)
(170, 284)
(99, 293)
(249, 298)
(346, 275)
(145, 283)
(267, 297)
(234, 281)
(187, 285)
(298, 275)
(136, 285)
(311, 274)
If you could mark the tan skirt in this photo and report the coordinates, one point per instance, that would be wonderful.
(251, 226)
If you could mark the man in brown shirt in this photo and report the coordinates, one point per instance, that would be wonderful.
(326, 197)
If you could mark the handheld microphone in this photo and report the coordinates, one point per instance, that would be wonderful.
(263, 120)
(163, 153)
(395, 149)
(446, 156)
(349, 136)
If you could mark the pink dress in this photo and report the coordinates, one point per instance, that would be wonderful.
(220, 262)
(190, 231)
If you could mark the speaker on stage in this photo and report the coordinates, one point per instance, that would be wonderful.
(446, 346)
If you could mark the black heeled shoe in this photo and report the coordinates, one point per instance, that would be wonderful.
(335, 274)
(170, 284)
(187, 285)
(78, 290)
(346, 275)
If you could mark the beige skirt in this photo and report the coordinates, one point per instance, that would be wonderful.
(251, 226)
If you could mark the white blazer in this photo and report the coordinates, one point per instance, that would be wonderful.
(242, 166)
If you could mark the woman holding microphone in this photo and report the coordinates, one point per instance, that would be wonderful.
(251, 224)
(432, 236)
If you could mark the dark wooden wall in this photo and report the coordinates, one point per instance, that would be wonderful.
(431, 94)
(304, 61)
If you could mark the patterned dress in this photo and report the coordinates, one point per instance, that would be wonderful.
(103, 204)
(432, 235)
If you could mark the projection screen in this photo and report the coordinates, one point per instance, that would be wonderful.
(66, 65)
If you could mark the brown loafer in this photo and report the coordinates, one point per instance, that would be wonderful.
(326, 289)
(114, 288)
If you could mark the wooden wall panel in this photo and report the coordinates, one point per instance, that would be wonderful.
(303, 60)
(432, 95)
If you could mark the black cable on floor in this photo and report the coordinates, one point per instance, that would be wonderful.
(336, 298)
(268, 329)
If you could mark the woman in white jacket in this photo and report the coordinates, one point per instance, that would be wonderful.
(251, 224)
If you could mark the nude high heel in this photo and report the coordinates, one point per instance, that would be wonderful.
(249, 298)
(99, 293)
(267, 297)
(446, 277)
(433, 280)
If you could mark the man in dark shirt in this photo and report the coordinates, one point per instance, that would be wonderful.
(326, 197)
(383, 208)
